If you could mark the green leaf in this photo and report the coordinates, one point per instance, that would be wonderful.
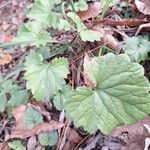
(90, 35)
(18, 98)
(7, 86)
(81, 5)
(59, 98)
(16, 145)
(33, 33)
(41, 11)
(137, 48)
(109, 3)
(32, 118)
(48, 138)
(3, 101)
(63, 25)
(85, 34)
(45, 79)
(121, 95)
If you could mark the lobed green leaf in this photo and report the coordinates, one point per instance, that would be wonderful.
(121, 95)
(45, 79)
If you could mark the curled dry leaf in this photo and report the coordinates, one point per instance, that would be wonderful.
(111, 41)
(143, 6)
(73, 136)
(107, 38)
(43, 127)
(136, 134)
(22, 132)
(92, 12)
(5, 59)
(88, 82)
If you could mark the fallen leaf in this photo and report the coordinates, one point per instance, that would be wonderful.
(143, 6)
(69, 146)
(32, 143)
(22, 132)
(4, 146)
(88, 82)
(5, 59)
(111, 41)
(6, 38)
(43, 127)
(73, 136)
(18, 113)
(92, 12)
(107, 38)
(136, 134)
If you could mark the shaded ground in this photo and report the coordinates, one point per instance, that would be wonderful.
(11, 17)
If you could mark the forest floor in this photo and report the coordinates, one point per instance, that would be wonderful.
(12, 16)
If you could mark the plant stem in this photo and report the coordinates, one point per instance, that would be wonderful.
(105, 7)
(72, 5)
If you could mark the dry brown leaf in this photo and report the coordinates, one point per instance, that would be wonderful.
(107, 38)
(136, 134)
(143, 6)
(43, 127)
(18, 113)
(92, 12)
(73, 136)
(22, 132)
(111, 42)
(69, 146)
(88, 82)
(32, 143)
(6, 38)
(4, 146)
(5, 59)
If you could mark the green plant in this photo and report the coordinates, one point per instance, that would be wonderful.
(49, 77)
(106, 4)
(48, 138)
(16, 145)
(42, 16)
(121, 95)
(121, 92)
(32, 118)
(137, 48)
(11, 95)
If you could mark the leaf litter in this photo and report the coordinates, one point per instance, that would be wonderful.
(114, 30)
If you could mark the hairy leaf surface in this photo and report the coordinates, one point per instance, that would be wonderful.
(16, 145)
(137, 48)
(121, 95)
(45, 79)
(3, 101)
(59, 98)
(32, 118)
(32, 33)
(48, 138)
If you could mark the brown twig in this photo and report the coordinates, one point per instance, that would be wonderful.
(124, 22)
